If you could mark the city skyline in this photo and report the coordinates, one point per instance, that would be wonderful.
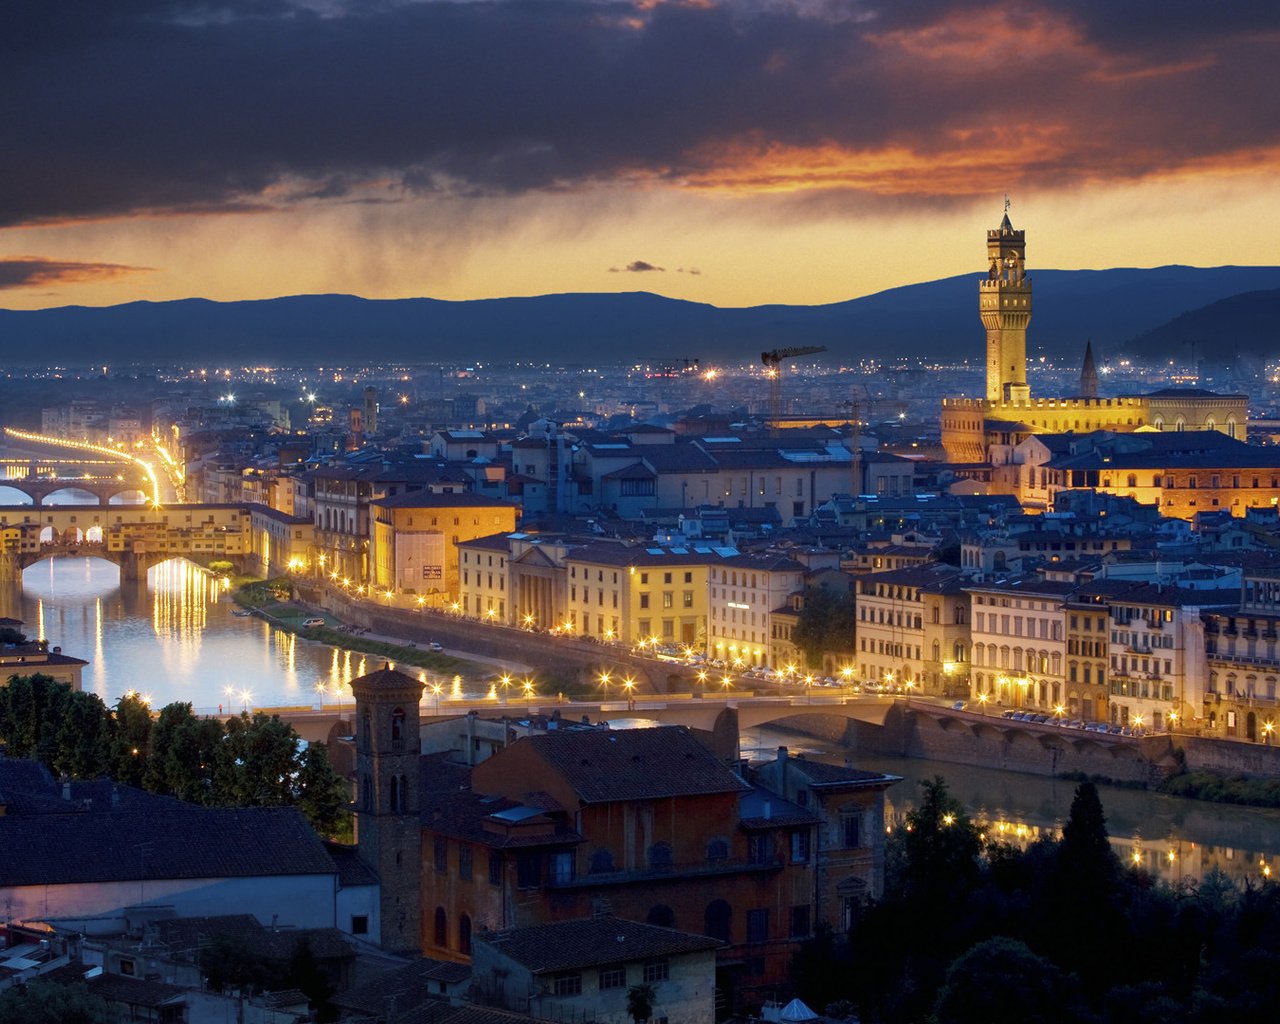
(729, 153)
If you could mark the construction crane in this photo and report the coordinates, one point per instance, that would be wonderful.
(772, 361)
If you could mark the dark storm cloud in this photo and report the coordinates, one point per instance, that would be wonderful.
(139, 106)
(34, 271)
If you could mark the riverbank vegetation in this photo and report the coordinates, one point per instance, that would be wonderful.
(974, 931)
(271, 598)
(245, 761)
(1223, 789)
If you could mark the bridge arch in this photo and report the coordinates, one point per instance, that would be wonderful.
(11, 494)
(128, 496)
(79, 494)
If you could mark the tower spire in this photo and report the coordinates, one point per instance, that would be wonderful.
(1088, 373)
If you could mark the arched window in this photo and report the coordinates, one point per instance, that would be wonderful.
(464, 934)
(366, 730)
(717, 920)
(441, 929)
(661, 915)
(660, 857)
(717, 850)
(397, 725)
(1132, 480)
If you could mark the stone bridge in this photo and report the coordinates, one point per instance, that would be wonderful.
(133, 565)
(716, 714)
(39, 489)
(134, 537)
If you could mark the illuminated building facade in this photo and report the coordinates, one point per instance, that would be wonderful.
(1008, 414)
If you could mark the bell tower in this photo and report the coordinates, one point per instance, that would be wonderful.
(1004, 302)
(389, 800)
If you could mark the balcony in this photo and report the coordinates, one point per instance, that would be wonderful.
(700, 869)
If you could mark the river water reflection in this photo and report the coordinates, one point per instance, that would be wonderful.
(1172, 837)
(177, 639)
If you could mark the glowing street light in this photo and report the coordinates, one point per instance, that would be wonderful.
(982, 702)
(629, 685)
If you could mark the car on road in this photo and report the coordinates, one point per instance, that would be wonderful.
(435, 645)
(314, 620)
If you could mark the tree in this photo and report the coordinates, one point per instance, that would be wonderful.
(940, 848)
(640, 999)
(9, 635)
(83, 738)
(132, 740)
(260, 762)
(826, 623)
(322, 795)
(185, 752)
(1001, 981)
(43, 1002)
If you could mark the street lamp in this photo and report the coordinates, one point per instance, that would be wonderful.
(506, 685)
(604, 684)
(982, 702)
(629, 685)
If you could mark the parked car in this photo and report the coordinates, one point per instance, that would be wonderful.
(314, 620)
(435, 645)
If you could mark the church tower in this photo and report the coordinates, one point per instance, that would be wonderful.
(389, 800)
(1088, 374)
(1004, 300)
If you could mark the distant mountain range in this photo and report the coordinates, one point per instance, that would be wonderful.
(1144, 311)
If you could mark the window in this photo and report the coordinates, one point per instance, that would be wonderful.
(528, 869)
(613, 977)
(656, 970)
(495, 869)
(660, 857)
(668, 599)
(717, 850)
(464, 863)
(644, 600)
(717, 920)
(568, 985)
(800, 921)
(562, 867)
(851, 825)
(758, 925)
(800, 846)
(441, 928)
(760, 848)
(360, 924)
(464, 934)
(441, 849)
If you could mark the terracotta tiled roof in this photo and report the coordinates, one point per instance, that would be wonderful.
(566, 945)
(635, 764)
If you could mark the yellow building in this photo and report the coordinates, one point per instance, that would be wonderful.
(971, 427)
(629, 594)
(415, 537)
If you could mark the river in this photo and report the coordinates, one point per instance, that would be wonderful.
(1174, 838)
(177, 639)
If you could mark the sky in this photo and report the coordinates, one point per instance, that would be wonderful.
(737, 152)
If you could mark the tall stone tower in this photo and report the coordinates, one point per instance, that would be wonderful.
(389, 801)
(1004, 300)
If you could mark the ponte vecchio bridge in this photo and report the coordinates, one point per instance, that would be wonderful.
(134, 537)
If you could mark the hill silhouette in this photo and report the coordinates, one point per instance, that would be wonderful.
(1238, 326)
(933, 319)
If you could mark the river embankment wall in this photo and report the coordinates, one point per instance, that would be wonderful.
(959, 737)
